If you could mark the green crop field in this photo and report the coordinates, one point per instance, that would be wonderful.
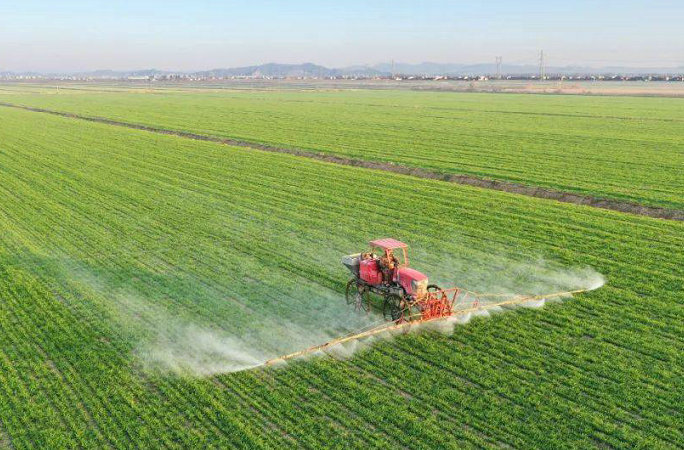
(622, 148)
(138, 271)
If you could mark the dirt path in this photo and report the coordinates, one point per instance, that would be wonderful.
(506, 186)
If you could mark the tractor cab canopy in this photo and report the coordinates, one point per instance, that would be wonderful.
(387, 243)
(391, 244)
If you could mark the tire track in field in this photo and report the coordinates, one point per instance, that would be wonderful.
(470, 180)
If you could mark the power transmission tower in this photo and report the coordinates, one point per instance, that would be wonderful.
(498, 67)
(393, 72)
(542, 66)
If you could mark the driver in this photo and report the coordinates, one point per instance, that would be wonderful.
(388, 263)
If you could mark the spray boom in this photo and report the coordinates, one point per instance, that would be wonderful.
(408, 299)
(443, 305)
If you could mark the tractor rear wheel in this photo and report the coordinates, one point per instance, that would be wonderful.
(393, 308)
(357, 295)
(433, 288)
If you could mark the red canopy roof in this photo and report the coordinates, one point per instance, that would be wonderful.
(387, 243)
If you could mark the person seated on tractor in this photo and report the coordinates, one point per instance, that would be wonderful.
(387, 265)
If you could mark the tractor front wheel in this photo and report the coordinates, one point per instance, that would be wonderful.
(357, 295)
(394, 307)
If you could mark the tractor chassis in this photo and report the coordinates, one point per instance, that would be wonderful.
(395, 302)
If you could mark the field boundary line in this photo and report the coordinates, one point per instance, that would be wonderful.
(469, 180)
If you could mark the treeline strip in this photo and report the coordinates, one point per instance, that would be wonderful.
(470, 180)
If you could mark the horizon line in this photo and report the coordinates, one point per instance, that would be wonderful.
(664, 66)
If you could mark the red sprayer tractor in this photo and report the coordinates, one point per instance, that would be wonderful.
(384, 271)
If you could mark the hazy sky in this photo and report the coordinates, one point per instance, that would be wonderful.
(72, 35)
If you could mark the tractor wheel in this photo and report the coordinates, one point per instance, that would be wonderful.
(357, 295)
(350, 292)
(433, 288)
(394, 307)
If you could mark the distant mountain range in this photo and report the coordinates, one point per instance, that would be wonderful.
(306, 70)
(310, 70)
(432, 69)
